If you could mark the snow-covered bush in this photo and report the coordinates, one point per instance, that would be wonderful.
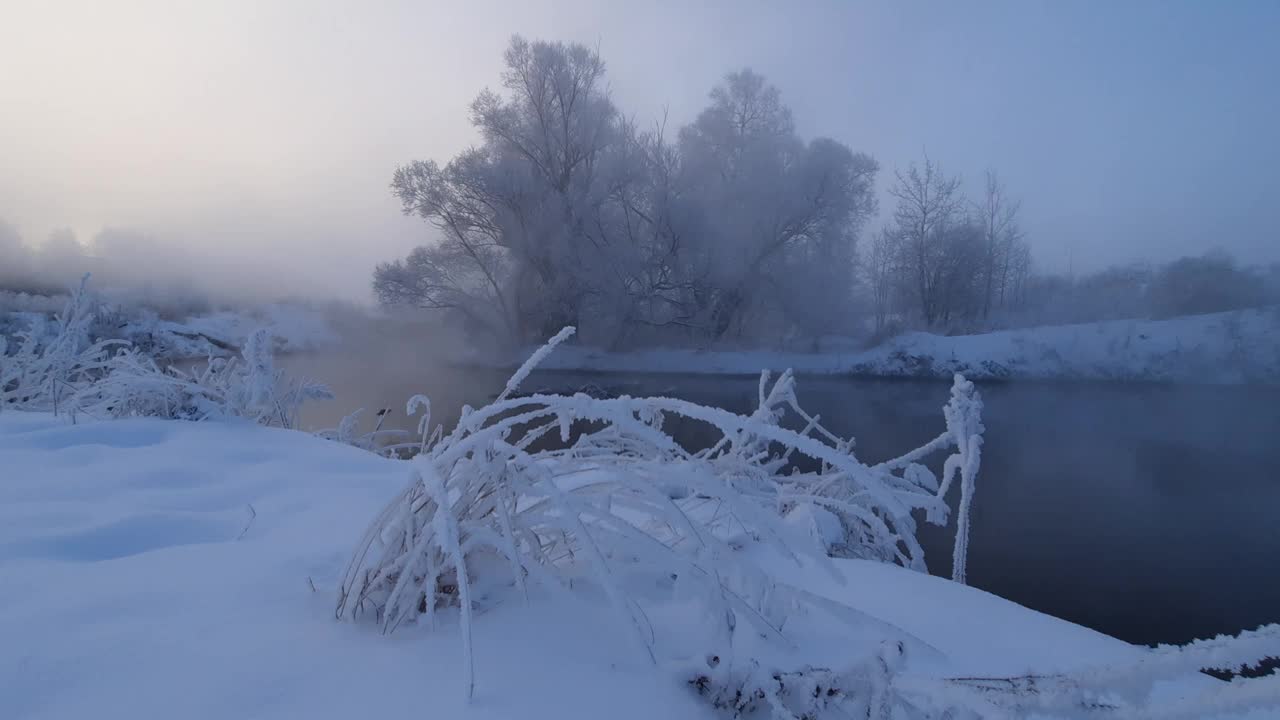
(50, 363)
(619, 505)
(66, 364)
(135, 385)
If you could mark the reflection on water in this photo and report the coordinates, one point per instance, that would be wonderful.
(1146, 512)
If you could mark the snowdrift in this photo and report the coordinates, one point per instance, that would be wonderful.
(159, 568)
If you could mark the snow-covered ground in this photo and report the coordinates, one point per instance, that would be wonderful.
(154, 568)
(1233, 347)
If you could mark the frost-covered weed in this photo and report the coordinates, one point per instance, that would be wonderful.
(620, 506)
(49, 364)
(134, 385)
(59, 367)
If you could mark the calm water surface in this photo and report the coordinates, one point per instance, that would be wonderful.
(1146, 512)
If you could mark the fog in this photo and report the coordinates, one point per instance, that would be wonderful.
(255, 142)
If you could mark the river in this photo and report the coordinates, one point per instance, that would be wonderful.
(1147, 512)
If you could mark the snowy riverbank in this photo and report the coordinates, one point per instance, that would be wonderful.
(164, 568)
(1234, 347)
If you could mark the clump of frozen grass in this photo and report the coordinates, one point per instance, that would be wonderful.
(49, 365)
(618, 505)
(393, 443)
(62, 369)
(134, 385)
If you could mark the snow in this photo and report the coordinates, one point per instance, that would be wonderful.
(127, 594)
(156, 568)
(1233, 347)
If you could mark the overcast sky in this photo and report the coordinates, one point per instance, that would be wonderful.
(264, 134)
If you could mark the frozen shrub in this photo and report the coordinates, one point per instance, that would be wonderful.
(48, 365)
(618, 504)
(134, 385)
(58, 366)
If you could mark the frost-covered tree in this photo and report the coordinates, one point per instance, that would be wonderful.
(933, 239)
(778, 214)
(881, 275)
(522, 216)
(1210, 283)
(997, 216)
(569, 213)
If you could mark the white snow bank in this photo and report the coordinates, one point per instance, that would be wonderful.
(157, 568)
(1233, 347)
(130, 592)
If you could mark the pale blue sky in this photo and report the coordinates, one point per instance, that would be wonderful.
(270, 129)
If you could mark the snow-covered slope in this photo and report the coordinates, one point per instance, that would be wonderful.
(153, 568)
(1234, 347)
(138, 583)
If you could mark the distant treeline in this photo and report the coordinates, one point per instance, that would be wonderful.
(732, 228)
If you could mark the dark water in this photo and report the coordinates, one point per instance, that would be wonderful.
(1146, 512)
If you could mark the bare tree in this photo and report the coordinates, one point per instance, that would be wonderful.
(568, 213)
(929, 206)
(1210, 283)
(520, 216)
(997, 215)
(771, 204)
(880, 270)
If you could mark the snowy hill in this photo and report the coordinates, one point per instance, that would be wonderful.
(159, 568)
(1233, 347)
